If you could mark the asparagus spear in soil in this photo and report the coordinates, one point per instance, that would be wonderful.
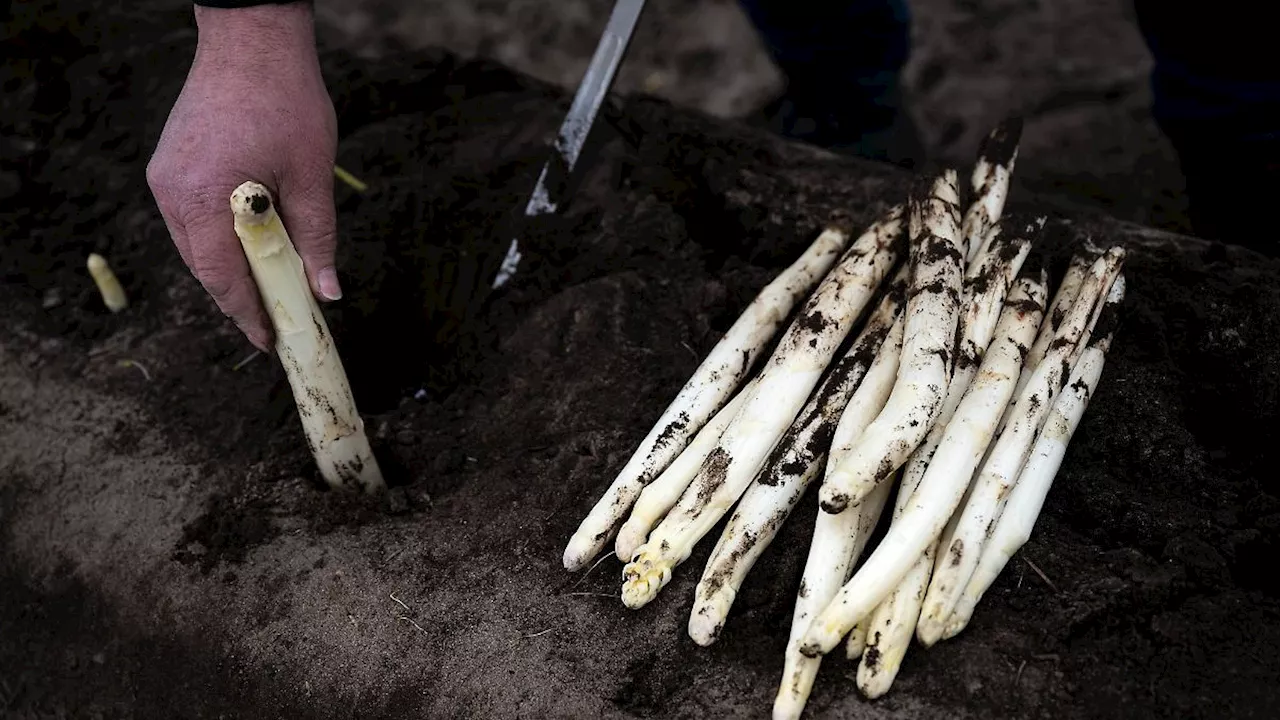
(720, 373)
(113, 295)
(768, 503)
(958, 552)
(333, 426)
(838, 540)
(893, 623)
(929, 340)
(1027, 498)
(790, 375)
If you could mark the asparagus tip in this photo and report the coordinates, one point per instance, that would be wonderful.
(644, 578)
(1001, 145)
(707, 619)
(113, 295)
(955, 625)
(629, 539)
(574, 557)
(928, 629)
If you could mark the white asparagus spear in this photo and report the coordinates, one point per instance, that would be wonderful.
(838, 540)
(940, 492)
(986, 285)
(1025, 501)
(893, 623)
(845, 537)
(985, 292)
(958, 552)
(785, 383)
(658, 496)
(113, 295)
(1065, 295)
(928, 348)
(869, 512)
(330, 421)
(719, 374)
(768, 502)
(990, 185)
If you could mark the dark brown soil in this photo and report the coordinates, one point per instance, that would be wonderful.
(165, 550)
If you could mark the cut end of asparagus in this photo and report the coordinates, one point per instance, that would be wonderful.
(113, 295)
(644, 578)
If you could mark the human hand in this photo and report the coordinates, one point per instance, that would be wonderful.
(254, 107)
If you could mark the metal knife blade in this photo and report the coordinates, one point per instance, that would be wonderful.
(591, 94)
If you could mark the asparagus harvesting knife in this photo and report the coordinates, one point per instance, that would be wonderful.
(594, 88)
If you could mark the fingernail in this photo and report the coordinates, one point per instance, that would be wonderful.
(328, 282)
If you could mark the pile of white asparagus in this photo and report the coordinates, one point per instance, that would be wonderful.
(959, 388)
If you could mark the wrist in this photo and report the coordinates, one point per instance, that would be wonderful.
(251, 31)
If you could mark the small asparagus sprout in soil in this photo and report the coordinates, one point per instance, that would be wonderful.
(838, 540)
(782, 481)
(785, 383)
(1026, 500)
(658, 496)
(990, 185)
(958, 552)
(333, 427)
(937, 266)
(893, 623)
(108, 284)
(940, 492)
(720, 373)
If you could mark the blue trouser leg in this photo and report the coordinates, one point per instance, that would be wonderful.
(842, 60)
(1216, 95)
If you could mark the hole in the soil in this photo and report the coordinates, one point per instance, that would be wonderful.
(394, 470)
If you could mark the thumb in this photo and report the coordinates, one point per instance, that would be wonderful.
(309, 214)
